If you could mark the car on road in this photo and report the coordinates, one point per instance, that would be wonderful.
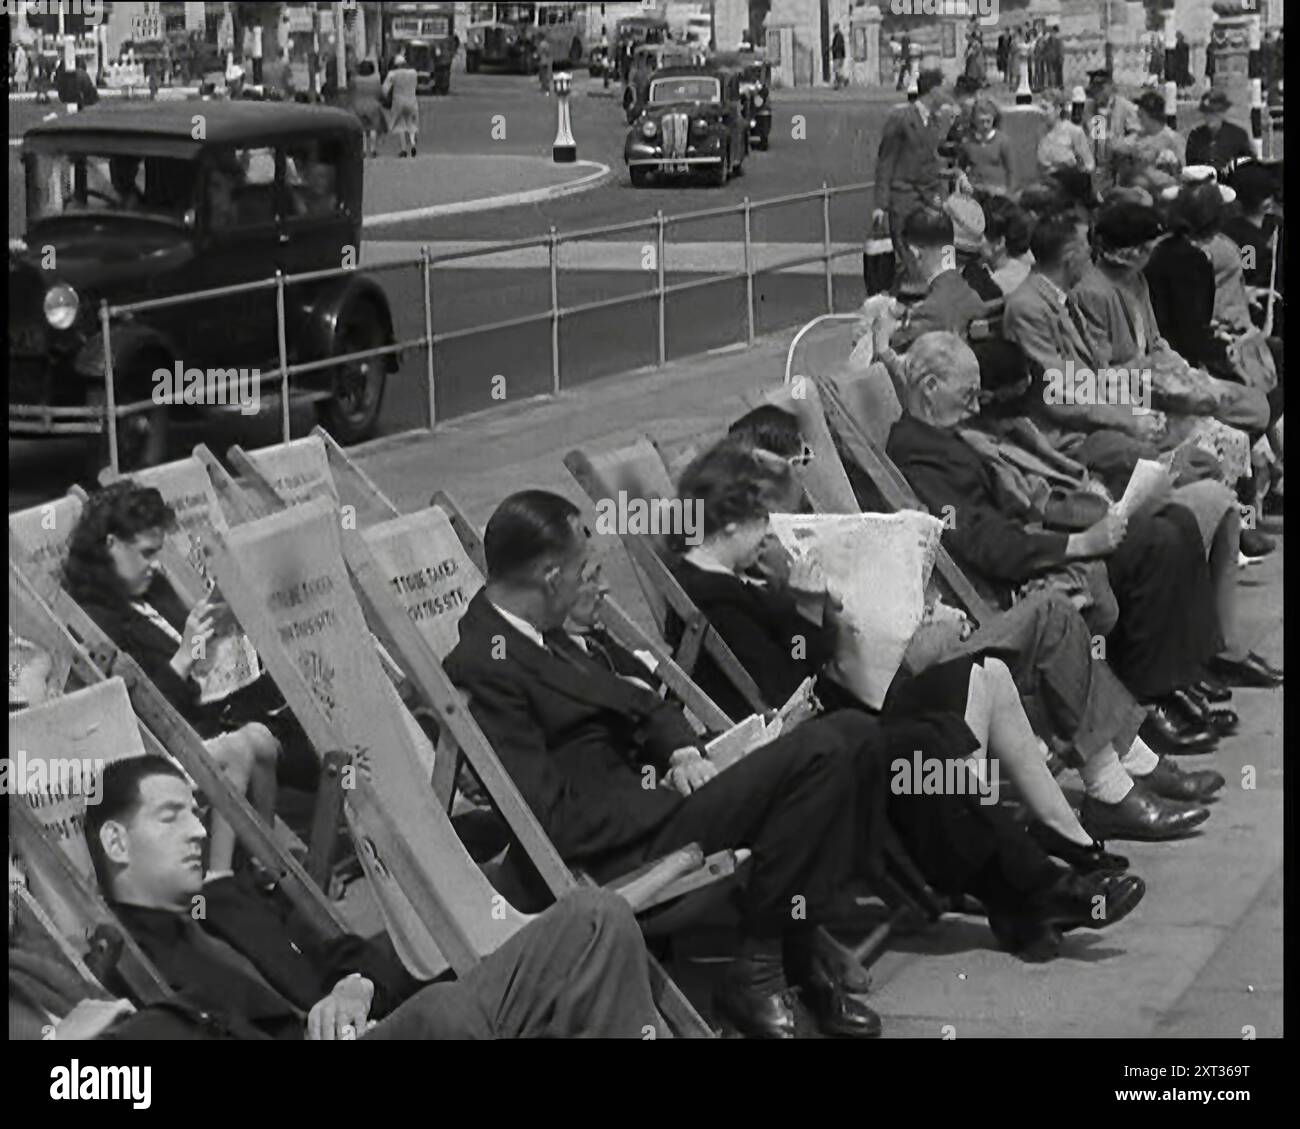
(756, 86)
(647, 59)
(174, 199)
(693, 120)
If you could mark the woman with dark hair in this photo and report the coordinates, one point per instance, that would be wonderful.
(112, 572)
(965, 710)
(985, 155)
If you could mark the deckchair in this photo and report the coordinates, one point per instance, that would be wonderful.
(285, 576)
(420, 628)
(905, 890)
(39, 538)
(53, 750)
(77, 644)
(638, 472)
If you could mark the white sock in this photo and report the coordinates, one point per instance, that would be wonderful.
(1104, 778)
(1140, 760)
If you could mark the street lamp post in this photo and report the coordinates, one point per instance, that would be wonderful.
(565, 149)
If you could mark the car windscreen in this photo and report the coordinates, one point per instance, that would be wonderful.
(109, 185)
(685, 90)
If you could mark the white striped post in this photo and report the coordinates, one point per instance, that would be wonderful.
(1171, 83)
(913, 91)
(1024, 92)
(1078, 105)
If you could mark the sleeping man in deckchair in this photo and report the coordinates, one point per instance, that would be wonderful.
(241, 971)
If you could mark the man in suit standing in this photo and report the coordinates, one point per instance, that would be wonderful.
(616, 776)
(1215, 141)
(242, 972)
(908, 168)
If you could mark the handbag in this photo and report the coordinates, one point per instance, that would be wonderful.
(878, 265)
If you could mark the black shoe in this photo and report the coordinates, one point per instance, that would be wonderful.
(1033, 941)
(1171, 782)
(1165, 732)
(1071, 901)
(838, 1014)
(1250, 671)
(753, 1012)
(1222, 721)
(1255, 544)
(1140, 816)
(1085, 860)
(1214, 691)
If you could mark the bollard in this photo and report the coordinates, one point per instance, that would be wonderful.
(565, 149)
(1171, 104)
(913, 91)
(1024, 93)
(1078, 104)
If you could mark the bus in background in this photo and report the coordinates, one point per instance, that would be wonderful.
(506, 35)
(424, 33)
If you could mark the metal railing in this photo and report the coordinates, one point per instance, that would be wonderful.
(45, 419)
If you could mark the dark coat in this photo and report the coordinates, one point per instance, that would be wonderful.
(298, 966)
(908, 171)
(1180, 278)
(1217, 149)
(572, 736)
(987, 533)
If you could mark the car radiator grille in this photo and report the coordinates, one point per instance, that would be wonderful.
(675, 130)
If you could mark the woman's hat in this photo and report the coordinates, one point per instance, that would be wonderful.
(1125, 224)
(1214, 102)
(967, 222)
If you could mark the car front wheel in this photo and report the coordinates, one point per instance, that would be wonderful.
(142, 437)
(471, 62)
(719, 174)
(640, 176)
(353, 413)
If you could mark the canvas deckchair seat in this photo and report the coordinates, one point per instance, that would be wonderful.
(820, 352)
(42, 532)
(868, 395)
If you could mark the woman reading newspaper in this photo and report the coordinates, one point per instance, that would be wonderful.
(195, 656)
(956, 713)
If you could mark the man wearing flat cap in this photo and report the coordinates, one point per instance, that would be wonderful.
(1217, 142)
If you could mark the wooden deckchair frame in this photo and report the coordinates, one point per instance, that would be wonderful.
(658, 882)
(664, 593)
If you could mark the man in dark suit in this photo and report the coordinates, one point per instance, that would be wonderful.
(908, 168)
(616, 776)
(1217, 141)
(242, 971)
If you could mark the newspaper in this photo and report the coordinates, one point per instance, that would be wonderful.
(229, 663)
(1149, 480)
(756, 730)
(878, 566)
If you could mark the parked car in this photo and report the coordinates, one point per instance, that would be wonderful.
(132, 207)
(756, 86)
(647, 59)
(694, 120)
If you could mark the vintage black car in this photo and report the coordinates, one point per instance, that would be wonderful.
(693, 121)
(647, 60)
(756, 86)
(189, 197)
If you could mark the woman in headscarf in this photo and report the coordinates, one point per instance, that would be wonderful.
(399, 89)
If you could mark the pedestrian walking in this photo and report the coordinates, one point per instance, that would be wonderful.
(905, 64)
(20, 68)
(399, 90)
(544, 64)
(1004, 54)
(838, 55)
(366, 88)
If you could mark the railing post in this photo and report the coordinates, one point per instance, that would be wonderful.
(749, 278)
(110, 390)
(282, 335)
(826, 246)
(659, 262)
(426, 278)
(553, 248)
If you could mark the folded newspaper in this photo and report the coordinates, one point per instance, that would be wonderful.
(756, 730)
(1149, 480)
(878, 565)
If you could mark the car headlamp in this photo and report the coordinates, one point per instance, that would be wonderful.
(61, 306)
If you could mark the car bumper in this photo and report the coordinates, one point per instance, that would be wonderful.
(658, 162)
(644, 154)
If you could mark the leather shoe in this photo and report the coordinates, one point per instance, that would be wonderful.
(1212, 690)
(1033, 941)
(1071, 901)
(1165, 732)
(1219, 720)
(1141, 816)
(1250, 671)
(1085, 860)
(1171, 782)
(838, 1013)
(754, 1013)
(1255, 544)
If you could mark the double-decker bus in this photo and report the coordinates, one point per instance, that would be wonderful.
(423, 33)
(506, 35)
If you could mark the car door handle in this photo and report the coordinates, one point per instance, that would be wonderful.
(283, 237)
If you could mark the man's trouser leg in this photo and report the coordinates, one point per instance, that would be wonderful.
(578, 971)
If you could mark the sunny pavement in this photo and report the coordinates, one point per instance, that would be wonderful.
(1201, 956)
